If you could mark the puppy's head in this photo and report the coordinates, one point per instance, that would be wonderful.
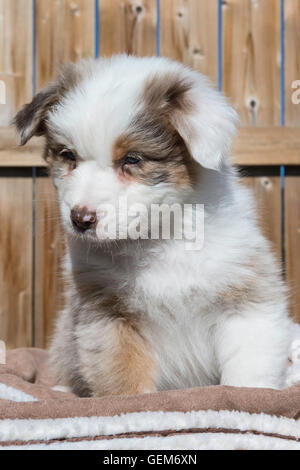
(126, 131)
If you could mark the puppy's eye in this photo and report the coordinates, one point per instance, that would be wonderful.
(132, 158)
(68, 155)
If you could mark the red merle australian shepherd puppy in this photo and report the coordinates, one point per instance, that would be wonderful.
(150, 312)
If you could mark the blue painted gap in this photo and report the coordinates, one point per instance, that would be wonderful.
(157, 28)
(282, 123)
(33, 306)
(97, 29)
(220, 43)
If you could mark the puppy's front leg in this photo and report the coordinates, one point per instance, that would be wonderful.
(252, 348)
(115, 359)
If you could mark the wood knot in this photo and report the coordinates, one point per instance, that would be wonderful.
(138, 9)
(266, 183)
(74, 9)
(198, 51)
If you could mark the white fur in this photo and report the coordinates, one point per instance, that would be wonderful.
(197, 337)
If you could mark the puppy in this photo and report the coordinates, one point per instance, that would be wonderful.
(150, 313)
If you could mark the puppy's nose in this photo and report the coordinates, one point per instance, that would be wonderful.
(82, 218)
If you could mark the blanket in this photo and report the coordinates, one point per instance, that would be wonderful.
(35, 414)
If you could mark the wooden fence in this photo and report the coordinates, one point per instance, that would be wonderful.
(249, 48)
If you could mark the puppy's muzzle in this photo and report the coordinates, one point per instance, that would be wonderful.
(83, 219)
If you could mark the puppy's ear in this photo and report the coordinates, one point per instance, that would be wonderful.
(206, 123)
(200, 114)
(30, 121)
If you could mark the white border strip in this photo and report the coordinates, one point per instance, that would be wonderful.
(199, 441)
(83, 427)
(13, 394)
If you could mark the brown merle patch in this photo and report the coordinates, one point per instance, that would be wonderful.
(53, 152)
(167, 93)
(164, 156)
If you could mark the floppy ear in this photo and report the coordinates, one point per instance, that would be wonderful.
(206, 123)
(30, 120)
(199, 113)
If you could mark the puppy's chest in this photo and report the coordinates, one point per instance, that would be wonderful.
(175, 318)
(168, 297)
(183, 346)
(179, 325)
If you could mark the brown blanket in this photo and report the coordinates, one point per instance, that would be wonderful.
(207, 417)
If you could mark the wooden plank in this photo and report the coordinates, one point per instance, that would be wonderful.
(65, 31)
(12, 155)
(251, 65)
(16, 27)
(127, 26)
(292, 60)
(15, 55)
(292, 238)
(22, 158)
(49, 256)
(266, 185)
(251, 78)
(292, 180)
(189, 34)
(267, 146)
(16, 257)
